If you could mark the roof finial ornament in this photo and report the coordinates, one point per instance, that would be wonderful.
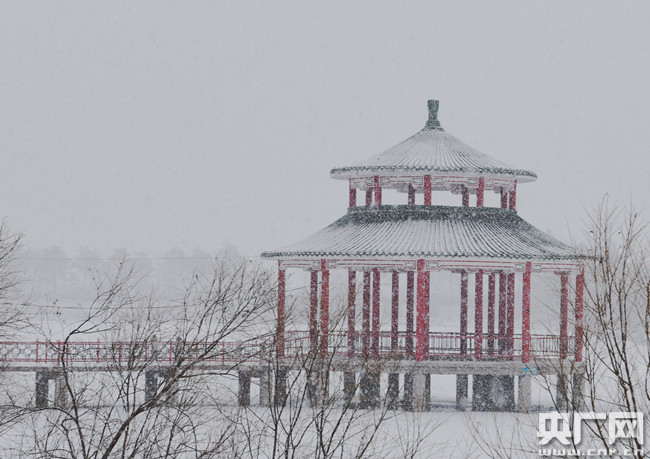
(433, 122)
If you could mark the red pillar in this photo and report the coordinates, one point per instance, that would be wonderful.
(504, 199)
(324, 308)
(491, 302)
(376, 282)
(313, 311)
(580, 285)
(510, 330)
(411, 195)
(513, 196)
(366, 313)
(368, 197)
(463, 312)
(427, 190)
(478, 316)
(564, 315)
(377, 192)
(465, 197)
(394, 314)
(410, 304)
(502, 312)
(352, 298)
(525, 315)
(281, 302)
(353, 197)
(422, 344)
(480, 193)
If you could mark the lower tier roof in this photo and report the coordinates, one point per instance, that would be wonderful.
(429, 232)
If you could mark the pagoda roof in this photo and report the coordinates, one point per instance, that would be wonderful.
(429, 232)
(432, 151)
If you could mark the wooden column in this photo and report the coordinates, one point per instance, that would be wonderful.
(410, 316)
(352, 298)
(564, 315)
(324, 308)
(376, 283)
(491, 303)
(504, 198)
(427, 190)
(478, 316)
(377, 192)
(502, 312)
(510, 330)
(353, 197)
(368, 197)
(366, 313)
(525, 315)
(513, 197)
(463, 312)
(422, 345)
(480, 193)
(394, 314)
(465, 197)
(411, 195)
(313, 311)
(580, 285)
(281, 306)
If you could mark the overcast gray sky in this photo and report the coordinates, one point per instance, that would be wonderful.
(153, 125)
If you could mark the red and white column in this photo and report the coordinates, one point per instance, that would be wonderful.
(410, 315)
(324, 308)
(580, 285)
(491, 304)
(478, 316)
(427, 190)
(525, 314)
(463, 312)
(510, 327)
(394, 315)
(376, 283)
(513, 196)
(422, 345)
(313, 311)
(352, 298)
(480, 192)
(281, 305)
(564, 315)
(366, 313)
(377, 192)
(502, 312)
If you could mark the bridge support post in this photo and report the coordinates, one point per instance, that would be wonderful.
(481, 392)
(150, 384)
(265, 386)
(578, 392)
(392, 394)
(370, 389)
(561, 389)
(244, 396)
(504, 393)
(41, 389)
(60, 391)
(349, 386)
(419, 388)
(407, 401)
(461, 392)
(280, 394)
(524, 393)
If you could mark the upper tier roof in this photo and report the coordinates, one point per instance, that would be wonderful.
(432, 151)
(429, 232)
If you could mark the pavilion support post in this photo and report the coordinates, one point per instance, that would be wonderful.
(411, 195)
(462, 385)
(564, 315)
(463, 312)
(376, 285)
(410, 316)
(480, 193)
(478, 316)
(324, 308)
(504, 198)
(377, 192)
(393, 378)
(525, 315)
(41, 389)
(427, 190)
(465, 197)
(281, 307)
(502, 312)
(491, 304)
(510, 331)
(349, 378)
(366, 314)
(580, 285)
(369, 197)
(524, 399)
(513, 197)
(353, 197)
(313, 311)
(422, 346)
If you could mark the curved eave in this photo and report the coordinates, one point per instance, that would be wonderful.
(439, 232)
(345, 173)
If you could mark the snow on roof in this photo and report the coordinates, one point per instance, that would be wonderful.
(432, 151)
(429, 232)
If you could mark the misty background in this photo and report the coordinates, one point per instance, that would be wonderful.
(171, 132)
